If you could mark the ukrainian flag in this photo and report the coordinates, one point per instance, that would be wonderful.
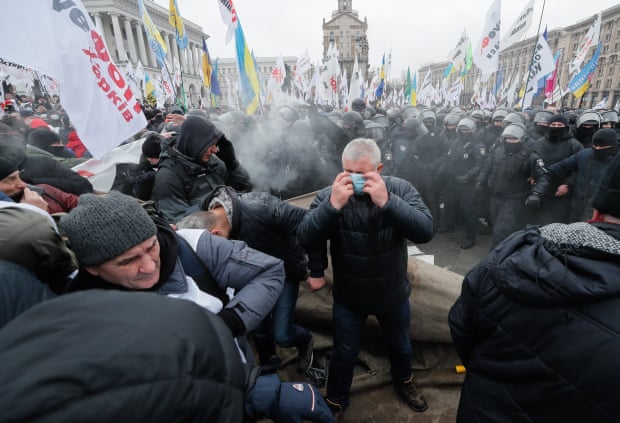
(155, 41)
(581, 82)
(250, 87)
(177, 23)
(414, 90)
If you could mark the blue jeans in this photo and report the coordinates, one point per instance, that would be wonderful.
(348, 329)
(280, 326)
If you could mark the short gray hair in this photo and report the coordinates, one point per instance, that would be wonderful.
(360, 148)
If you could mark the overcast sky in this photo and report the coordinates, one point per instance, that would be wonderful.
(417, 32)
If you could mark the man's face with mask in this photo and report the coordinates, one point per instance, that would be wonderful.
(557, 131)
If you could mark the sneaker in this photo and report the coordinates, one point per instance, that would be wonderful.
(412, 397)
(306, 354)
(337, 410)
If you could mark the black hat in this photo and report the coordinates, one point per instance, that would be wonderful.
(42, 137)
(151, 147)
(607, 196)
(605, 137)
(6, 167)
(558, 118)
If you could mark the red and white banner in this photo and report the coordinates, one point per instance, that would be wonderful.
(93, 90)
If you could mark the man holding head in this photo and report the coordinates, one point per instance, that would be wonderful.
(367, 219)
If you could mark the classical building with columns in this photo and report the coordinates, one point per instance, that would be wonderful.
(121, 24)
(605, 83)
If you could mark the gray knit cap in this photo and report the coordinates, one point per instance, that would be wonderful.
(102, 227)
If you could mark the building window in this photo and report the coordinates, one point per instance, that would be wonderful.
(574, 46)
(608, 83)
(605, 49)
(617, 47)
(597, 85)
(611, 70)
(600, 71)
(608, 36)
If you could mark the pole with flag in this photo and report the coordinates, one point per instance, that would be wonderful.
(381, 86)
(534, 51)
(541, 65)
(181, 38)
(581, 82)
(486, 54)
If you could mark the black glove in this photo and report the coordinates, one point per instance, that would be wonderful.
(533, 201)
(226, 153)
(233, 321)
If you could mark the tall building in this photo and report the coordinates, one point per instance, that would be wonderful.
(605, 82)
(349, 34)
(121, 24)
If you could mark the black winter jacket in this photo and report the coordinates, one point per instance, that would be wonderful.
(182, 182)
(368, 244)
(538, 329)
(109, 356)
(266, 224)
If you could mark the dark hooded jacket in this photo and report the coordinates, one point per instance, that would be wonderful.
(111, 356)
(368, 244)
(40, 169)
(265, 223)
(183, 179)
(537, 327)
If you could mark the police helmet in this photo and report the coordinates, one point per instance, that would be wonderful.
(451, 119)
(499, 115)
(352, 120)
(393, 115)
(543, 116)
(358, 105)
(466, 124)
(512, 118)
(610, 116)
(515, 130)
(428, 115)
(590, 117)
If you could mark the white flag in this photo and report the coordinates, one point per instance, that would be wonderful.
(486, 54)
(458, 55)
(94, 92)
(519, 27)
(589, 40)
(355, 87)
(276, 79)
(542, 64)
(229, 16)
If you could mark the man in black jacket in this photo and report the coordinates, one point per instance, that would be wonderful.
(201, 159)
(267, 224)
(367, 219)
(536, 322)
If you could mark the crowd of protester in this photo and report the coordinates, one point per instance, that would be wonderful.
(202, 216)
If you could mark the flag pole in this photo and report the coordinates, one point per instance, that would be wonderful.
(176, 30)
(542, 12)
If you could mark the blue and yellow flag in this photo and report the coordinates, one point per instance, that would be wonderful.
(207, 69)
(155, 41)
(215, 84)
(381, 86)
(413, 100)
(177, 23)
(149, 88)
(581, 82)
(250, 86)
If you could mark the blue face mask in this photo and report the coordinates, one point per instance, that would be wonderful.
(358, 181)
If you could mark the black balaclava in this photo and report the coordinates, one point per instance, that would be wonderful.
(605, 137)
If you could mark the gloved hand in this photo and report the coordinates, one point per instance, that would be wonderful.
(533, 201)
(478, 186)
(233, 321)
(226, 153)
